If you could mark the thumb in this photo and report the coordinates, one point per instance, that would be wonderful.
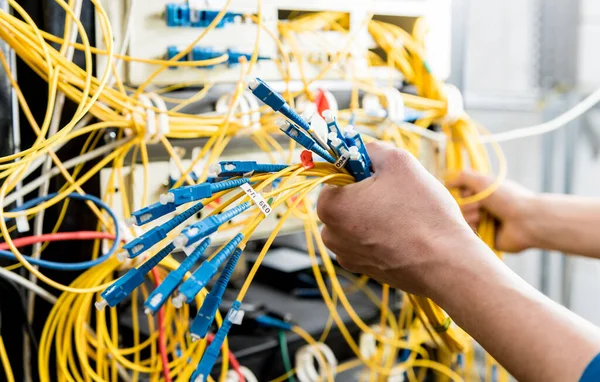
(379, 152)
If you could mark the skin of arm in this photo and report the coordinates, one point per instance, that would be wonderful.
(403, 228)
(528, 220)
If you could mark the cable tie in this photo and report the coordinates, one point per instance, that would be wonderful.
(306, 158)
(257, 198)
(396, 108)
(163, 118)
(455, 104)
(150, 131)
(443, 327)
(236, 316)
(22, 223)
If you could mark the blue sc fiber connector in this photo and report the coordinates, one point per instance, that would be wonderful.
(353, 138)
(243, 168)
(273, 322)
(337, 145)
(141, 244)
(199, 53)
(213, 351)
(207, 226)
(187, 194)
(181, 15)
(161, 293)
(332, 125)
(304, 140)
(203, 18)
(207, 270)
(208, 310)
(276, 102)
(151, 213)
(357, 165)
(177, 15)
(120, 289)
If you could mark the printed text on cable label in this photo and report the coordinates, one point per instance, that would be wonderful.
(257, 199)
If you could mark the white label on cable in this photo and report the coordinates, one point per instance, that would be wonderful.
(341, 162)
(257, 199)
(22, 224)
(236, 316)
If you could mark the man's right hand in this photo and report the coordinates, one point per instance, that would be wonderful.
(512, 205)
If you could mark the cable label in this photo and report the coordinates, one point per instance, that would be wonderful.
(341, 162)
(257, 198)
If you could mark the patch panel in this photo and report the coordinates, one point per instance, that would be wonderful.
(159, 25)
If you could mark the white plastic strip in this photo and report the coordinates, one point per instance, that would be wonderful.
(163, 117)
(22, 223)
(257, 198)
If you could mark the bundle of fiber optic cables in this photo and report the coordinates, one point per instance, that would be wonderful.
(343, 149)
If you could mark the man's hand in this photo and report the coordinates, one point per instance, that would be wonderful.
(512, 205)
(401, 226)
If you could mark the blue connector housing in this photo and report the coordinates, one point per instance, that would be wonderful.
(207, 270)
(305, 140)
(146, 241)
(180, 15)
(177, 15)
(276, 102)
(120, 289)
(212, 352)
(209, 225)
(203, 18)
(245, 168)
(187, 194)
(151, 213)
(332, 125)
(273, 322)
(199, 53)
(161, 293)
(173, 51)
(357, 166)
(337, 145)
(353, 138)
(208, 310)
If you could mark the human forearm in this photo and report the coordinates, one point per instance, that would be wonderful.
(565, 223)
(534, 338)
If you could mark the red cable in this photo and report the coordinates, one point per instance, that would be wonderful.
(59, 236)
(232, 360)
(162, 343)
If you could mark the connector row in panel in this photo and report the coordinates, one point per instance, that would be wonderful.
(201, 53)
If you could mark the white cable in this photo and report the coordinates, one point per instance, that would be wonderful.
(28, 284)
(232, 375)
(31, 186)
(126, 39)
(305, 362)
(39, 161)
(562, 120)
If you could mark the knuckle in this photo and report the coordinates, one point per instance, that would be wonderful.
(398, 158)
